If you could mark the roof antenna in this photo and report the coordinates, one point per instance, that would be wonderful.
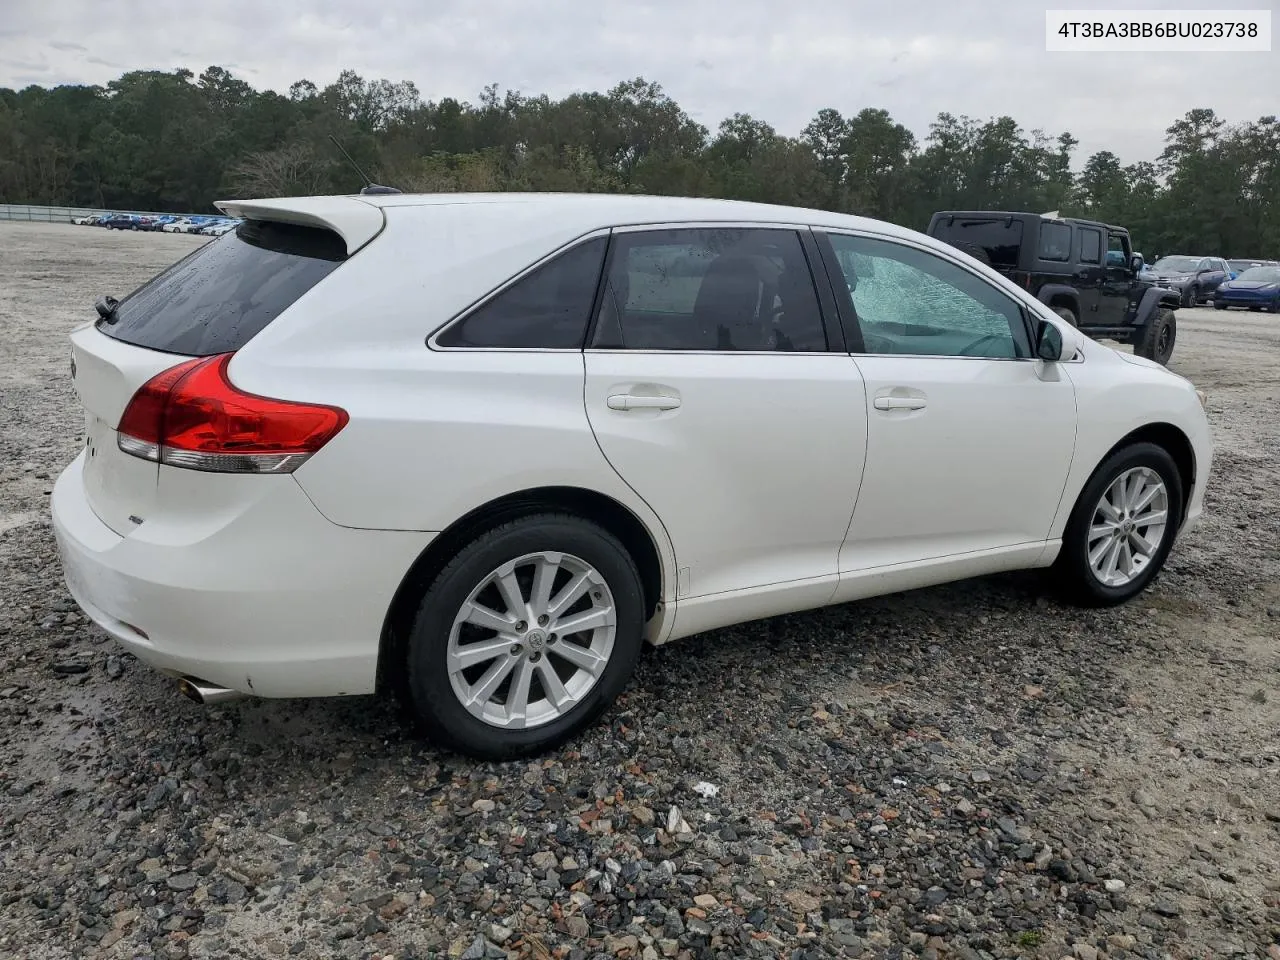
(369, 187)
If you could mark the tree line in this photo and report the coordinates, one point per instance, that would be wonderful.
(176, 141)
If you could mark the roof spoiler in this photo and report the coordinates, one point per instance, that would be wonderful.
(356, 221)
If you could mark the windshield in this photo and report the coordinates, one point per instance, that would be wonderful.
(1261, 274)
(1176, 264)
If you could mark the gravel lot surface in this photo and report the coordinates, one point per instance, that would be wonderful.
(970, 771)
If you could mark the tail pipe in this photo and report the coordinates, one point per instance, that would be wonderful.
(205, 693)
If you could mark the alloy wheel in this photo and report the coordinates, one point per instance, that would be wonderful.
(531, 640)
(1129, 525)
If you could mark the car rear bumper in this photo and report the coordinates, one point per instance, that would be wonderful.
(267, 598)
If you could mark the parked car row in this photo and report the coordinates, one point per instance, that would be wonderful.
(168, 223)
(1199, 279)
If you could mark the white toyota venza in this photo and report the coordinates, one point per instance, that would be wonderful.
(480, 448)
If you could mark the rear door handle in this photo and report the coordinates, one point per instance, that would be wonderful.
(631, 401)
(901, 403)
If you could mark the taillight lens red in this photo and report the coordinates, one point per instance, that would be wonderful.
(192, 416)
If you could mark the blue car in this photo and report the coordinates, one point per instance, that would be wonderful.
(1257, 288)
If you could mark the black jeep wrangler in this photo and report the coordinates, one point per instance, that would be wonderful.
(1086, 271)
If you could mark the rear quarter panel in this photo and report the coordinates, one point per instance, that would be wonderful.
(433, 434)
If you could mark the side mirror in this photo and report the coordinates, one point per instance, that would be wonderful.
(1136, 263)
(1049, 342)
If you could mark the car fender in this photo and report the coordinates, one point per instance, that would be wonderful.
(1152, 300)
(1115, 398)
(1049, 291)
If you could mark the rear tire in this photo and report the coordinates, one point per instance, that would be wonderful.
(1189, 297)
(1085, 571)
(502, 683)
(1157, 338)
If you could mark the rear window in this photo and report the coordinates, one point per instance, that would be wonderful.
(218, 298)
(999, 240)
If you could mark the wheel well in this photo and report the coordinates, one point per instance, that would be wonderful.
(1173, 440)
(588, 504)
(1062, 300)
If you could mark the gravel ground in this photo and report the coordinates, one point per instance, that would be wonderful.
(971, 771)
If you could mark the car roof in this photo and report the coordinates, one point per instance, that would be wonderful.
(359, 218)
(1022, 215)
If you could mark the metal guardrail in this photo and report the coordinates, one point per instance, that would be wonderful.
(39, 214)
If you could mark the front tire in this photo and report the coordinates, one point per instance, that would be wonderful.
(1122, 527)
(525, 637)
(1190, 296)
(1156, 340)
(1219, 305)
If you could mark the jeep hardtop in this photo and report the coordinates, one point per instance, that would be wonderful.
(1084, 270)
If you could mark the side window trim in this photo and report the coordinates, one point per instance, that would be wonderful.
(827, 309)
(462, 315)
(849, 316)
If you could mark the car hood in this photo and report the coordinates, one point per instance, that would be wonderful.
(1140, 361)
(1248, 284)
(1165, 275)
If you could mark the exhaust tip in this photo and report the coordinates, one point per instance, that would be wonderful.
(204, 693)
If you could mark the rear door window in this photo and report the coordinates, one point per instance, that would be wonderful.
(1090, 245)
(1055, 242)
(218, 298)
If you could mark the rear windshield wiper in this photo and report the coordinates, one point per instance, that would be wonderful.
(106, 307)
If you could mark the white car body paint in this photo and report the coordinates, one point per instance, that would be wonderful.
(775, 486)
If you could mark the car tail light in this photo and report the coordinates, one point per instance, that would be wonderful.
(192, 416)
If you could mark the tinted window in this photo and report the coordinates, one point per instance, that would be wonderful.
(1055, 241)
(747, 289)
(998, 240)
(547, 308)
(912, 302)
(218, 298)
(1090, 246)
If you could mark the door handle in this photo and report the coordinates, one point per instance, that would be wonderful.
(631, 401)
(901, 403)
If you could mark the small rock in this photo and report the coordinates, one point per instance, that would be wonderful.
(1122, 941)
(965, 808)
(182, 881)
(801, 902)
(1043, 856)
(115, 668)
(706, 901)
(980, 776)
(484, 805)
(543, 860)
(1259, 696)
(500, 934)
(69, 667)
(1142, 798)
(577, 926)
(1113, 885)
(1084, 951)
(1166, 908)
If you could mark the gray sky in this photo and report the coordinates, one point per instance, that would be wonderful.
(779, 61)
